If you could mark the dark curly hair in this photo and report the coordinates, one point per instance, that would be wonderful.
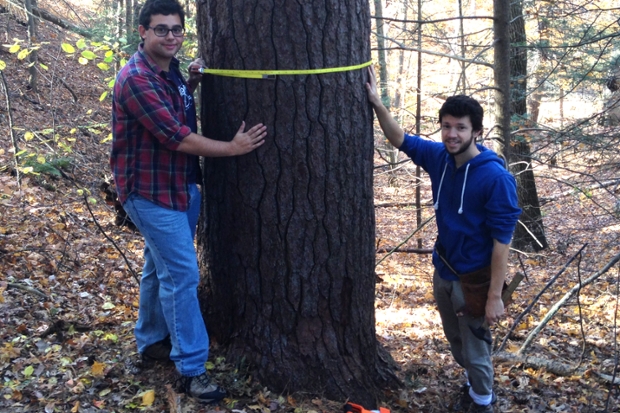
(462, 105)
(165, 7)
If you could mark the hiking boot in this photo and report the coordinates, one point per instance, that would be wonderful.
(159, 351)
(465, 400)
(202, 388)
(477, 408)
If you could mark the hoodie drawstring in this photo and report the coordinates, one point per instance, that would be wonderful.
(463, 190)
(436, 206)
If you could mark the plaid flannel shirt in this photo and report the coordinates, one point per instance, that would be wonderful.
(148, 124)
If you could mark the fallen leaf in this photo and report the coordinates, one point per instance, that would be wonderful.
(97, 368)
(148, 397)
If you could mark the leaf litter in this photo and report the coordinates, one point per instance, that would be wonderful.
(68, 302)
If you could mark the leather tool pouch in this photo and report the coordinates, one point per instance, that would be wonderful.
(475, 286)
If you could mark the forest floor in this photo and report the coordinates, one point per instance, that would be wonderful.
(68, 299)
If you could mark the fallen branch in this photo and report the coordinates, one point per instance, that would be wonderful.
(394, 204)
(406, 239)
(535, 300)
(552, 366)
(27, 288)
(406, 250)
(599, 185)
(607, 378)
(45, 15)
(135, 276)
(563, 300)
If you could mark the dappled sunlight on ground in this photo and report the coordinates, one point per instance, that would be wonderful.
(415, 323)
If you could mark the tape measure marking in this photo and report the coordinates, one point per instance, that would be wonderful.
(271, 74)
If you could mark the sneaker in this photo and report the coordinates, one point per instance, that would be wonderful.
(477, 408)
(159, 351)
(465, 400)
(202, 388)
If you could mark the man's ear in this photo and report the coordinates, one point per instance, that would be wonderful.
(141, 31)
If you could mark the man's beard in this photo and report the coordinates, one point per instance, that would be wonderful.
(465, 147)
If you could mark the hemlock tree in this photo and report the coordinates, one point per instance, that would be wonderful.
(530, 231)
(288, 237)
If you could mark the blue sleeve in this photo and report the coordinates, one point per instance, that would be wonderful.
(423, 152)
(503, 208)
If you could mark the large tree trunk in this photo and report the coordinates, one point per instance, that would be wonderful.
(288, 241)
(530, 231)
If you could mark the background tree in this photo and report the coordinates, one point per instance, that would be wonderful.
(288, 240)
(382, 74)
(32, 39)
(530, 231)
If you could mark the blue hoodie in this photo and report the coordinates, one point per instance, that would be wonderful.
(474, 204)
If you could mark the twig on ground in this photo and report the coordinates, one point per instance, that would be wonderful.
(27, 288)
(552, 366)
(535, 300)
(135, 276)
(406, 250)
(563, 300)
(406, 239)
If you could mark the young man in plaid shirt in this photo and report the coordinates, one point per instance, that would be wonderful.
(154, 160)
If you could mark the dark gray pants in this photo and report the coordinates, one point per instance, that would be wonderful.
(469, 351)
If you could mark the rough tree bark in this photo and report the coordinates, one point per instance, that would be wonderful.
(530, 231)
(288, 236)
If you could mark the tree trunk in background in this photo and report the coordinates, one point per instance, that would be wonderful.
(188, 9)
(501, 74)
(418, 123)
(119, 18)
(530, 231)
(381, 53)
(461, 31)
(128, 18)
(383, 79)
(288, 236)
(32, 38)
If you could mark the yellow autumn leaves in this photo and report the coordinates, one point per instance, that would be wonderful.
(88, 53)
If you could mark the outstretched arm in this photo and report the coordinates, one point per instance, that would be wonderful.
(390, 127)
(242, 143)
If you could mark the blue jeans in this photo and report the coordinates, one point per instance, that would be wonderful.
(168, 289)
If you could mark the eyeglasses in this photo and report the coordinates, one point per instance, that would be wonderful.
(162, 31)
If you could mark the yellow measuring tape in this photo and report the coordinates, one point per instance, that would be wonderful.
(271, 74)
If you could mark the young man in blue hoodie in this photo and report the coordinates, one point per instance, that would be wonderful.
(476, 210)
